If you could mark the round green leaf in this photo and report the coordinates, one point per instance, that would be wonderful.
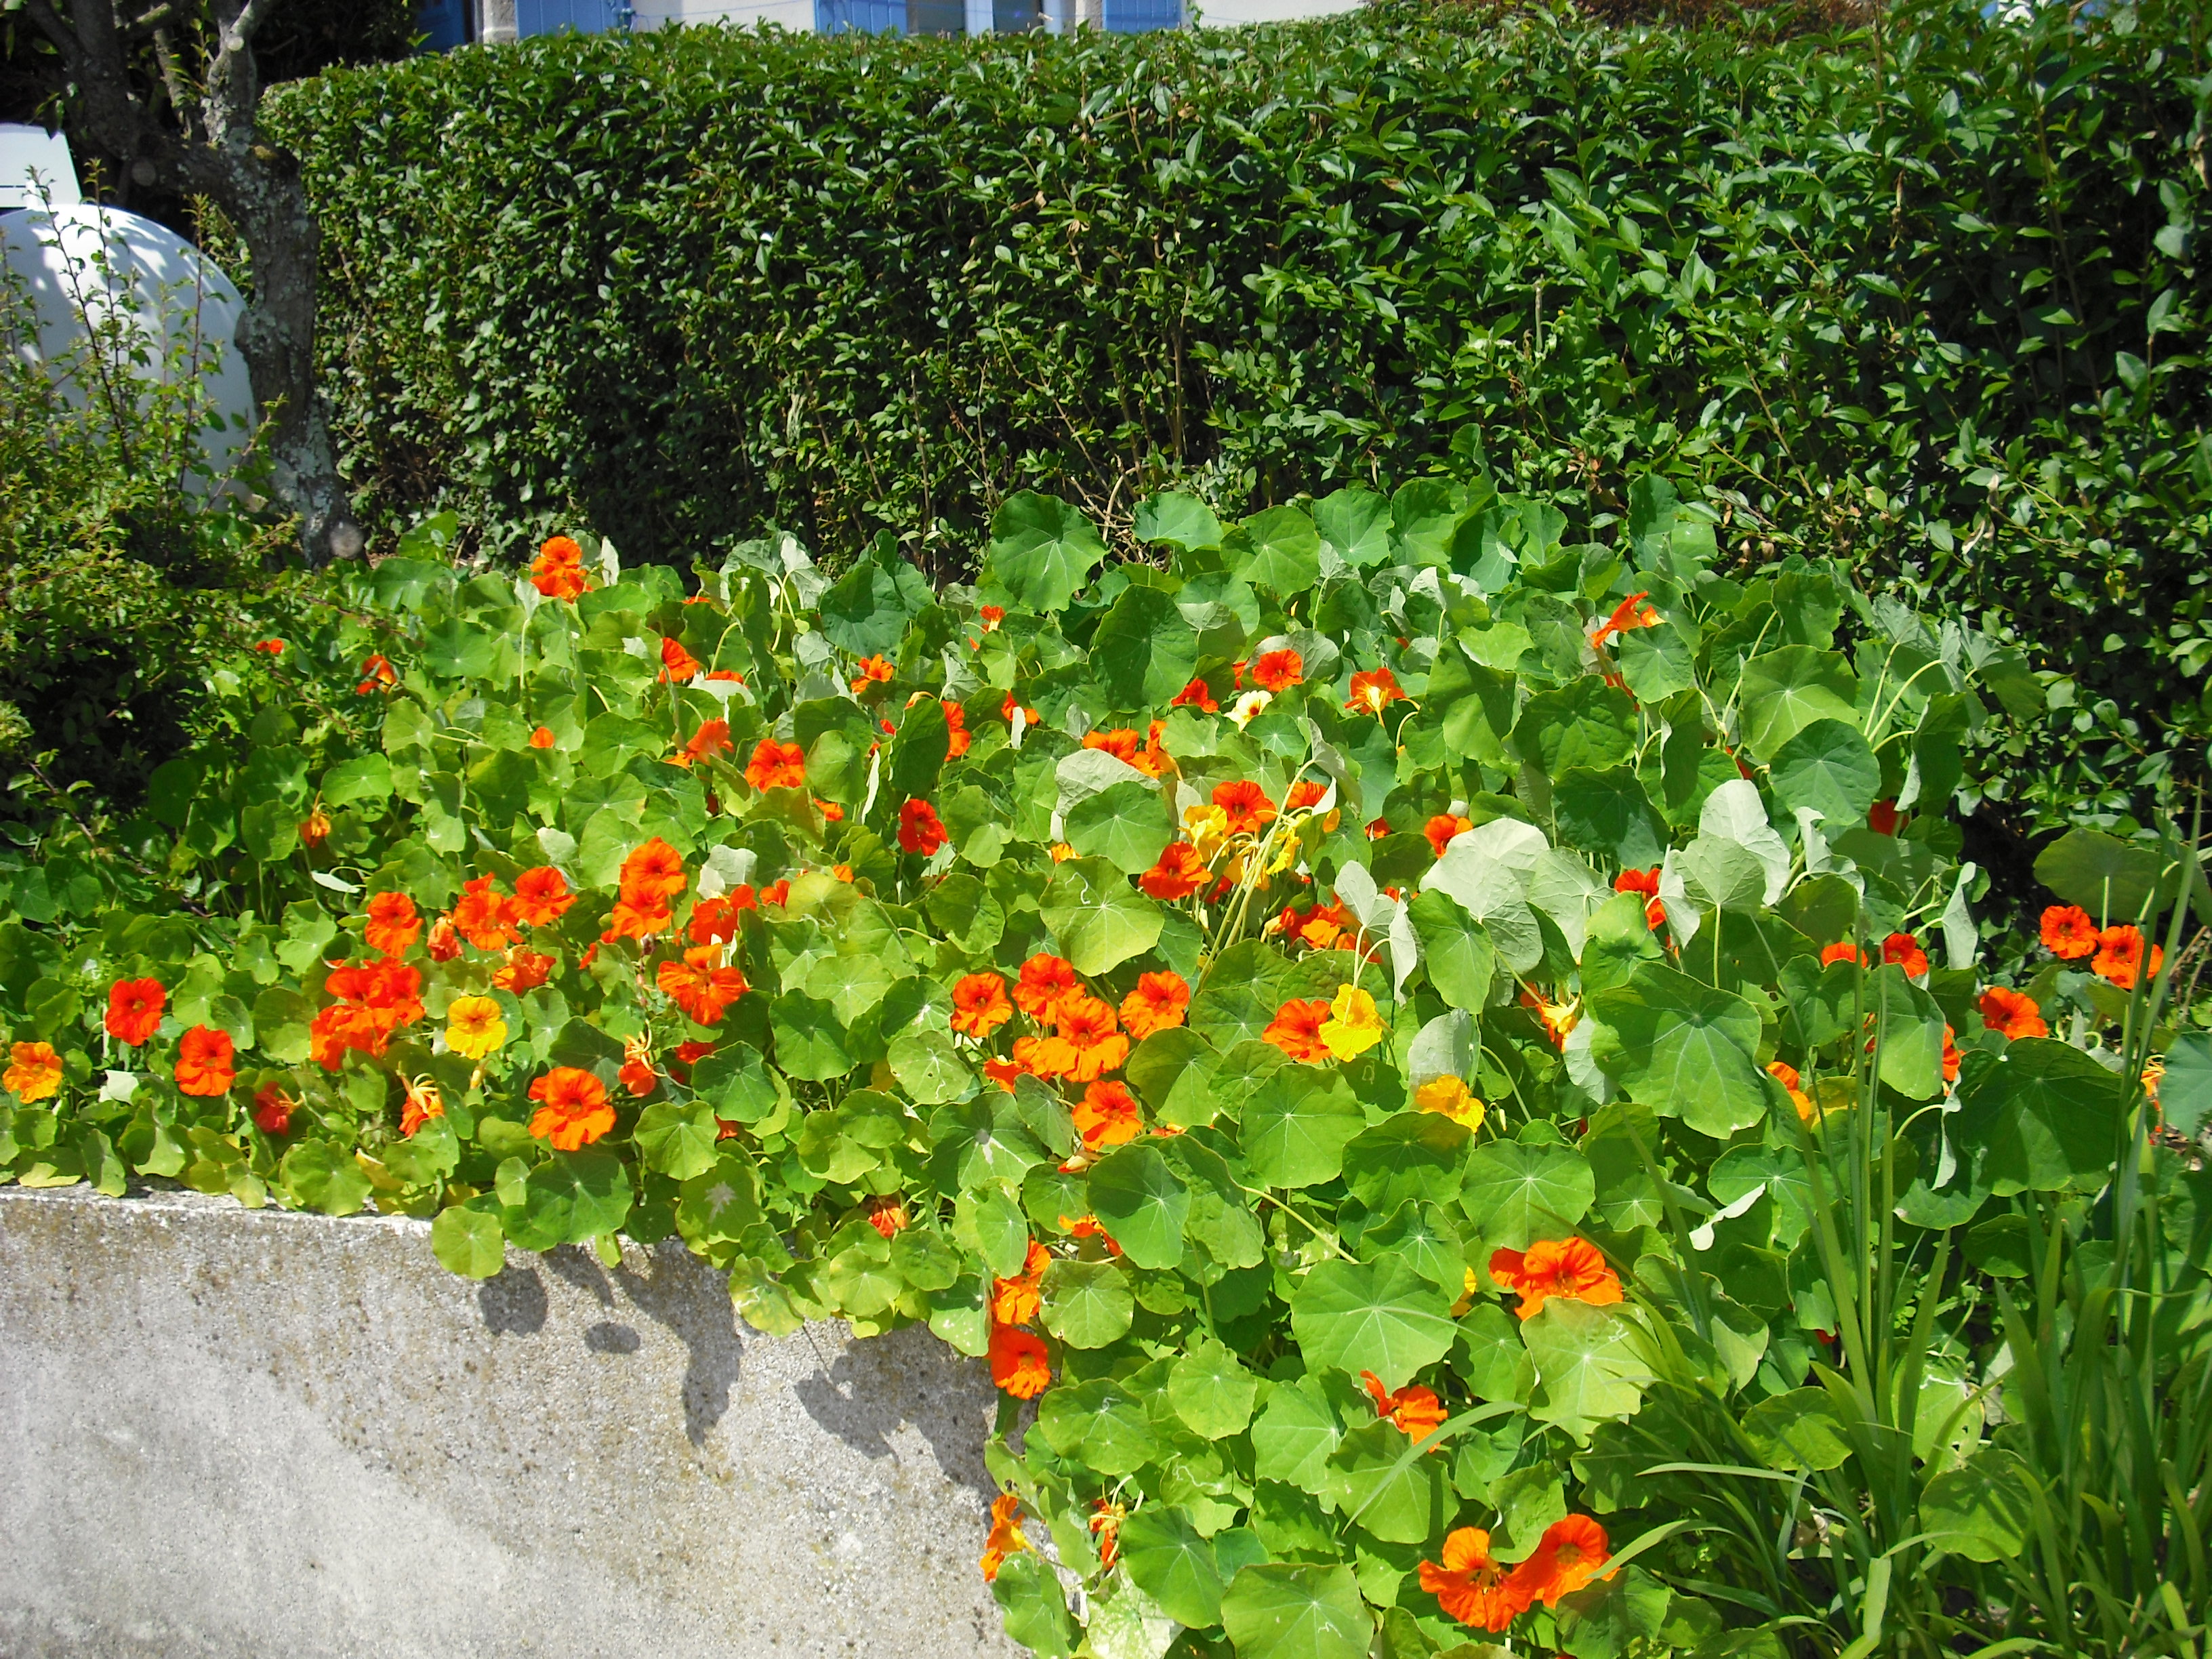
(1180, 521)
(1125, 823)
(1043, 549)
(1827, 766)
(1140, 1201)
(467, 1240)
(1515, 1194)
(1786, 690)
(1283, 1610)
(1173, 1564)
(1211, 1391)
(1608, 813)
(1098, 919)
(1087, 1304)
(1296, 1124)
(1361, 1317)
(678, 1137)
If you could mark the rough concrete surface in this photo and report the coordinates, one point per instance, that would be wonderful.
(237, 1432)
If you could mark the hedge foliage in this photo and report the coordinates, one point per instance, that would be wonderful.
(1457, 1072)
(1927, 298)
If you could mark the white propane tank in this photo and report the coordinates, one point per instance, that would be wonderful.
(79, 265)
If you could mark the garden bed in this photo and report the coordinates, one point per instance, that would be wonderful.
(252, 1432)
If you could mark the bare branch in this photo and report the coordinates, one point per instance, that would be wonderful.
(159, 18)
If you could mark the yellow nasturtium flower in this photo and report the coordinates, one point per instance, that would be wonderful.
(474, 1026)
(1354, 1024)
(1208, 828)
(1452, 1098)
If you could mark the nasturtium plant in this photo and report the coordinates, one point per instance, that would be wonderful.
(1374, 1024)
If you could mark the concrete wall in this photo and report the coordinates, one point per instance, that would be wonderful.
(245, 1433)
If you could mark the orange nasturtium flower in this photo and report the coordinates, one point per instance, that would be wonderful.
(1441, 829)
(2068, 933)
(876, 670)
(1295, 1029)
(273, 647)
(1158, 1002)
(444, 944)
(1625, 615)
(919, 830)
(134, 1009)
(1278, 671)
(1786, 1074)
(1952, 1058)
(480, 915)
(677, 665)
(712, 739)
(1106, 1518)
(1572, 1551)
(1245, 804)
(1470, 1586)
(637, 1074)
(474, 1026)
(703, 992)
(572, 1110)
(1021, 1365)
(1354, 1023)
(314, 828)
(1413, 1409)
(557, 572)
(542, 738)
(523, 971)
(956, 728)
(34, 1071)
(993, 616)
(776, 766)
(980, 1005)
(421, 1102)
(1196, 695)
(1449, 1097)
(1045, 981)
(1571, 1269)
(541, 897)
(1093, 1037)
(1179, 873)
(1905, 950)
(1015, 1301)
(1374, 690)
(1303, 793)
(377, 674)
(1841, 950)
(1107, 1116)
(2120, 957)
(2013, 1013)
(1005, 1537)
(203, 1063)
(654, 871)
(392, 924)
(1883, 817)
(1557, 1018)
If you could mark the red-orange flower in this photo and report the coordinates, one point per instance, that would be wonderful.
(1571, 1269)
(392, 925)
(1883, 817)
(1196, 695)
(1179, 873)
(1004, 1073)
(204, 1062)
(2012, 1012)
(677, 665)
(542, 738)
(1413, 1409)
(919, 830)
(572, 1109)
(1045, 980)
(274, 647)
(1374, 690)
(1471, 1587)
(1106, 1518)
(2120, 955)
(712, 739)
(1952, 1058)
(1107, 1116)
(1155, 1003)
(480, 915)
(1841, 950)
(1645, 882)
(956, 726)
(714, 920)
(34, 1071)
(704, 993)
(637, 1075)
(1246, 803)
(272, 1109)
(2068, 933)
(1905, 950)
(1005, 1537)
(993, 615)
(1015, 1301)
(888, 1217)
(1573, 1551)
(1303, 793)
(377, 674)
(557, 572)
(654, 871)
(1093, 1037)
(1295, 1029)
(980, 1005)
(874, 670)
(1278, 671)
(1625, 615)
(1010, 704)
(1441, 829)
(541, 897)
(134, 1009)
(444, 944)
(776, 766)
(1020, 1363)
(523, 971)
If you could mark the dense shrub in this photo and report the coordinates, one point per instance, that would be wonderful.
(1457, 1072)
(1925, 298)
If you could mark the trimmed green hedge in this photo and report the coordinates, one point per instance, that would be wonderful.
(1924, 300)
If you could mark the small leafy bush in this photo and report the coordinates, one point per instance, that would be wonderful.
(1450, 1070)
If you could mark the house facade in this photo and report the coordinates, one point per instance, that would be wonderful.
(453, 23)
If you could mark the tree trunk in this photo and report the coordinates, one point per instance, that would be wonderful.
(257, 187)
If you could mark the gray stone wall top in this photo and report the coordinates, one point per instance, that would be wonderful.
(248, 1432)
